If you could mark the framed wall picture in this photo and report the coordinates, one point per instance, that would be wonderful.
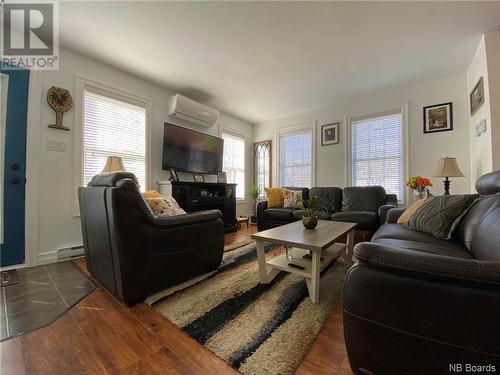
(330, 134)
(476, 97)
(173, 175)
(198, 178)
(438, 118)
(221, 177)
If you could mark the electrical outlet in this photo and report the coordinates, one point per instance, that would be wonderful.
(477, 130)
(59, 146)
(482, 126)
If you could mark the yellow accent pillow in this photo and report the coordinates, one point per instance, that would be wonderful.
(151, 194)
(405, 216)
(274, 197)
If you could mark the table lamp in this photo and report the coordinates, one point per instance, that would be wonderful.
(447, 167)
(113, 164)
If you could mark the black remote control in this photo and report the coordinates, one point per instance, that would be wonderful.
(296, 266)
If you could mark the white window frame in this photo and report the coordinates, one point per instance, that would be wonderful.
(403, 110)
(308, 126)
(237, 134)
(83, 84)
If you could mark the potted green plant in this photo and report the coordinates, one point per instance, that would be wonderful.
(254, 194)
(310, 209)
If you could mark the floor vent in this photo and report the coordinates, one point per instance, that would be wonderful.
(68, 253)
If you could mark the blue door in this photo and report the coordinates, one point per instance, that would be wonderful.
(14, 165)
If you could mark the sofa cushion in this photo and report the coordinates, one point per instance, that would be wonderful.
(363, 198)
(407, 214)
(366, 220)
(440, 247)
(440, 216)
(331, 197)
(291, 198)
(279, 214)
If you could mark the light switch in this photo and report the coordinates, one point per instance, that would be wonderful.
(59, 146)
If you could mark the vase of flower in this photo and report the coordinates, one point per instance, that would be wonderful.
(419, 186)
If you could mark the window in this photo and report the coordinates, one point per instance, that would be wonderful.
(113, 127)
(295, 158)
(234, 162)
(377, 153)
(262, 162)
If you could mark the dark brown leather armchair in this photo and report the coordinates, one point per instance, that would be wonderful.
(415, 304)
(134, 253)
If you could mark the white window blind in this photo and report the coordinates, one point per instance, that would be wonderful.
(234, 162)
(295, 159)
(113, 127)
(377, 153)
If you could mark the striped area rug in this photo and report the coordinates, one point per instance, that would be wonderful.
(256, 328)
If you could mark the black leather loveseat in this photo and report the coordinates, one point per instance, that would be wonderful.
(134, 253)
(366, 206)
(414, 304)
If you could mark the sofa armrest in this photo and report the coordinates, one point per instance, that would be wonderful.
(428, 266)
(192, 218)
(261, 207)
(382, 212)
(393, 214)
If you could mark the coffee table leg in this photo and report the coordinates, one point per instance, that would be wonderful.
(313, 284)
(265, 277)
(350, 243)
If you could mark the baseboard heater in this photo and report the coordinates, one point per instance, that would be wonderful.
(68, 253)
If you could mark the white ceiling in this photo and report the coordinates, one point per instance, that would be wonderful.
(263, 60)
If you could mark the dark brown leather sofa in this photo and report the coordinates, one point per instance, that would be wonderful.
(366, 206)
(134, 253)
(414, 304)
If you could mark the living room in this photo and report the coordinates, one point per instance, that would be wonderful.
(293, 87)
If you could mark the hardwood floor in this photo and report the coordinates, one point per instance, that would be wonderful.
(102, 336)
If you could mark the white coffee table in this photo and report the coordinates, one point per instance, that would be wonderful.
(321, 242)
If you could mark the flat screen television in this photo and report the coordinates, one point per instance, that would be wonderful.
(187, 150)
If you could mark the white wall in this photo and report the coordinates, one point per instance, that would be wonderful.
(424, 149)
(52, 222)
(485, 149)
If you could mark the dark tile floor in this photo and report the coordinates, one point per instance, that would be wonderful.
(42, 294)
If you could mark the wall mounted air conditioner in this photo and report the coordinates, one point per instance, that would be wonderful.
(188, 110)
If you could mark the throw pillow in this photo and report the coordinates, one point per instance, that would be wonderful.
(274, 197)
(405, 216)
(164, 206)
(440, 215)
(291, 198)
(151, 194)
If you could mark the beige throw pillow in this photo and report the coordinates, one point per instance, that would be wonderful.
(291, 198)
(165, 206)
(405, 216)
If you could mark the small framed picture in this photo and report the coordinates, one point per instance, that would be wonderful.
(221, 177)
(173, 175)
(476, 97)
(198, 178)
(330, 134)
(438, 118)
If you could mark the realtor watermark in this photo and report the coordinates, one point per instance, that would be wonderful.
(470, 368)
(30, 35)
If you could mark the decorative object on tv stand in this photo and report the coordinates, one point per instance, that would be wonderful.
(447, 167)
(309, 209)
(419, 185)
(198, 178)
(113, 164)
(476, 97)
(438, 118)
(254, 194)
(330, 134)
(60, 101)
(221, 177)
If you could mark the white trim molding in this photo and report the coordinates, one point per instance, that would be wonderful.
(238, 134)
(81, 85)
(288, 131)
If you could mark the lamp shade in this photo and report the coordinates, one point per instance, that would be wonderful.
(113, 164)
(447, 167)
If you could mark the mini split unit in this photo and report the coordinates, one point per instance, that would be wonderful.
(188, 110)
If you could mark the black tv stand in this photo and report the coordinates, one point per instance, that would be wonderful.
(199, 196)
